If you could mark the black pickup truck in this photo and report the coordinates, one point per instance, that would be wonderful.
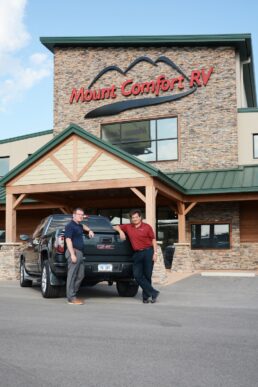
(106, 257)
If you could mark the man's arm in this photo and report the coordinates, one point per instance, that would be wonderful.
(155, 248)
(88, 230)
(121, 232)
(69, 245)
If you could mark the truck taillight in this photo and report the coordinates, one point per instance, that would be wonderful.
(60, 244)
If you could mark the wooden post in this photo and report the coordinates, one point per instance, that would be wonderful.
(10, 218)
(150, 206)
(181, 222)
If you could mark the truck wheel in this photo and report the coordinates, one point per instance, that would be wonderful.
(48, 290)
(127, 289)
(24, 283)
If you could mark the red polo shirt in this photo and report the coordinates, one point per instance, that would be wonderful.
(140, 237)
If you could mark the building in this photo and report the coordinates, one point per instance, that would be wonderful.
(165, 123)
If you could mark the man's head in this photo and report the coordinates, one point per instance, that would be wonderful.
(135, 216)
(78, 214)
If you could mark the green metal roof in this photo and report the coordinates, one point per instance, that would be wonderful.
(25, 136)
(248, 110)
(239, 180)
(242, 42)
(75, 129)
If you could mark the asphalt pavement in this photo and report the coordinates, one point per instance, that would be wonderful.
(202, 332)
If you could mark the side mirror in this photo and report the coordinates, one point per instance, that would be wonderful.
(24, 237)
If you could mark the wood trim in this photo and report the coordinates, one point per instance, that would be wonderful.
(181, 208)
(89, 164)
(150, 206)
(181, 222)
(10, 219)
(189, 208)
(81, 186)
(75, 158)
(117, 158)
(168, 191)
(139, 194)
(39, 161)
(223, 197)
(62, 167)
(19, 200)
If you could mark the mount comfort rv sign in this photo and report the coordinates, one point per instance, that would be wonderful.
(174, 88)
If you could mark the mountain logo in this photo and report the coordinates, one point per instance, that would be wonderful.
(129, 88)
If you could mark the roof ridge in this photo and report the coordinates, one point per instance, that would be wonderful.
(25, 136)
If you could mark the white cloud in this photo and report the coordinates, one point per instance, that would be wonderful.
(17, 75)
(13, 34)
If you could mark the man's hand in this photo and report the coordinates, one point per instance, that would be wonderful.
(73, 258)
(91, 234)
(155, 257)
(122, 235)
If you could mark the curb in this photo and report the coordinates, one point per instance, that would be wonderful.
(227, 274)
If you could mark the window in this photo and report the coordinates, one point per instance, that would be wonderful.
(2, 236)
(152, 140)
(4, 165)
(210, 236)
(255, 146)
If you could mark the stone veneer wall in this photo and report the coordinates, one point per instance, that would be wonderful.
(9, 261)
(207, 119)
(219, 213)
(241, 256)
(249, 256)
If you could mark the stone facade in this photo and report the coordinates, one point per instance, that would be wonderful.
(9, 261)
(241, 256)
(207, 119)
(182, 260)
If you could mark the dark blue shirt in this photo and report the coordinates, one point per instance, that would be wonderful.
(74, 231)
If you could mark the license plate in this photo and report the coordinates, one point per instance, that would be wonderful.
(105, 267)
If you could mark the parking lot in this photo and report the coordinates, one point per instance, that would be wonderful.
(202, 332)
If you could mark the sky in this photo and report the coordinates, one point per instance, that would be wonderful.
(26, 66)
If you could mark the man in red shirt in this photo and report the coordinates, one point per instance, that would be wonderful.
(144, 244)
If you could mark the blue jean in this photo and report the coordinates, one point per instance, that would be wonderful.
(142, 271)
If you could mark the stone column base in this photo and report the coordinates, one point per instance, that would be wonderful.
(182, 260)
(159, 275)
(9, 261)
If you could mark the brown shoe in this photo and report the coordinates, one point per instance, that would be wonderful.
(75, 301)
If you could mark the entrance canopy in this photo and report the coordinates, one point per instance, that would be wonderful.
(78, 169)
(76, 166)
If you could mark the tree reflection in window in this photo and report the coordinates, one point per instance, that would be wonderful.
(210, 236)
(151, 140)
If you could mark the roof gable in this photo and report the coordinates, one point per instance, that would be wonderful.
(38, 163)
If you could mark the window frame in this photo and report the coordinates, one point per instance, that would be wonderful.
(254, 156)
(208, 224)
(6, 158)
(156, 140)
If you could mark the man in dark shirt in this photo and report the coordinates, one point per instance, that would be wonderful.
(74, 254)
(144, 244)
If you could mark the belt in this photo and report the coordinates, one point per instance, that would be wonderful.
(146, 248)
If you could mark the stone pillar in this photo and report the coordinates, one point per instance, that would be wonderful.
(159, 275)
(182, 260)
(9, 261)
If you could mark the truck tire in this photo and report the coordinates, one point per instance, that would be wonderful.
(48, 290)
(127, 288)
(24, 283)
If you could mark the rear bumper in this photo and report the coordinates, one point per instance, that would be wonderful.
(120, 270)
